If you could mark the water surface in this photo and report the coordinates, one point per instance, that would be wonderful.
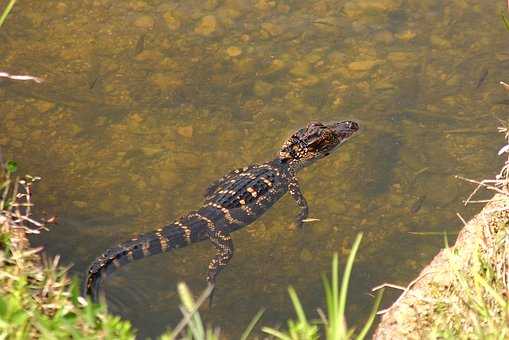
(147, 102)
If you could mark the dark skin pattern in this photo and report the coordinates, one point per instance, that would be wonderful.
(232, 202)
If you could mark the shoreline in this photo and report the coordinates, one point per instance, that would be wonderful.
(414, 315)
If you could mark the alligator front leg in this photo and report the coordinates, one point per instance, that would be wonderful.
(294, 189)
(224, 246)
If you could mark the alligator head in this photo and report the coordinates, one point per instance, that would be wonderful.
(315, 141)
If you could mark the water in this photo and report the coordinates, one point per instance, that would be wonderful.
(147, 102)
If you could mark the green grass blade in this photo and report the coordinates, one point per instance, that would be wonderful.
(6, 11)
(251, 325)
(328, 294)
(372, 316)
(336, 327)
(297, 305)
(275, 333)
(335, 315)
(506, 21)
(496, 296)
(335, 281)
(346, 275)
(194, 322)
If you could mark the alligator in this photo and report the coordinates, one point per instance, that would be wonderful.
(232, 202)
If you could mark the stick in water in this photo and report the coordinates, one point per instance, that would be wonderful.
(21, 77)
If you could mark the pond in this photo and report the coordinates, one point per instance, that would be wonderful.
(146, 102)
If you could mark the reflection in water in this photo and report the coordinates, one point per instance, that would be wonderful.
(145, 103)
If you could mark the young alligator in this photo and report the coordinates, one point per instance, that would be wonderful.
(232, 202)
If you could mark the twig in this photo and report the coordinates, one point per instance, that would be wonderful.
(481, 184)
(322, 316)
(469, 131)
(390, 285)
(404, 289)
(189, 314)
(21, 77)
(32, 221)
(476, 201)
(461, 218)
(433, 233)
(17, 214)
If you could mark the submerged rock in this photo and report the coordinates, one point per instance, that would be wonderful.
(385, 37)
(166, 81)
(262, 88)
(300, 69)
(355, 8)
(144, 21)
(185, 131)
(207, 26)
(364, 65)
(171, 21)
(271, 29)
(43, 106)
(233, 51)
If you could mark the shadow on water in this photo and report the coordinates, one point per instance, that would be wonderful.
(146, 103)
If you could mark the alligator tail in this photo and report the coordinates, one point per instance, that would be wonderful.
(159, 241)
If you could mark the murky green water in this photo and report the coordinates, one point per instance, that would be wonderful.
(146, 102)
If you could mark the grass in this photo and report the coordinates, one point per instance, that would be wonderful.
(333, 325)
(6, 11)
(476, 305)
(506, 22)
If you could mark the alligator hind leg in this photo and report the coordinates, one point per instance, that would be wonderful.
(224, 246)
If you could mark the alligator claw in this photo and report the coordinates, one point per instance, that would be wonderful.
(299, 224)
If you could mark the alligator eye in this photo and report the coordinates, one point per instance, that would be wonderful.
(353, 125)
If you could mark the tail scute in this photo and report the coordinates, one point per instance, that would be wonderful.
(157, 242)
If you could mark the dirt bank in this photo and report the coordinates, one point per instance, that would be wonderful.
(449, 292)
